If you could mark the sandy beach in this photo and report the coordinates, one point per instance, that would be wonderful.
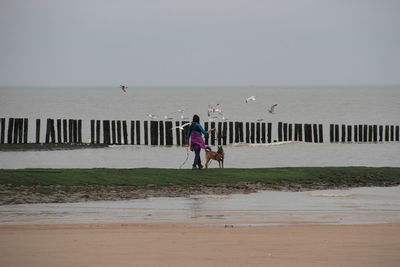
(193, 244)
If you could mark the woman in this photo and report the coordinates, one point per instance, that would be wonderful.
(196, 141)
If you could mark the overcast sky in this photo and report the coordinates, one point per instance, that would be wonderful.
(199, 43)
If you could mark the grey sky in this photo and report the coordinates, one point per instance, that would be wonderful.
(203, 42)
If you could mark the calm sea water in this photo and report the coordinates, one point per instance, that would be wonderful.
(295, 105)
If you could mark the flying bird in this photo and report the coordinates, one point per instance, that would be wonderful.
(182, 126)
(123, 87)
(259, 119)
(251, 98)
(272, 108)
(152, 116)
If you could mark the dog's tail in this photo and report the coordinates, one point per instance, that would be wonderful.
(208, 149)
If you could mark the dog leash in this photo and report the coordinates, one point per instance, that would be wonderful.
(187, 157)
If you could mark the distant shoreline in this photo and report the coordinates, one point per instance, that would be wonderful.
(21, 186)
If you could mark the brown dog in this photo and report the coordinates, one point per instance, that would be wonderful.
(218, 156)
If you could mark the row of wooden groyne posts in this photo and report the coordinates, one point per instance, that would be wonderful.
(161, 132)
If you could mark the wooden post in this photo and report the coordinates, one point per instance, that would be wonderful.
(224, 133)
(185, 133)
(10, 130)
(397, 133)
(290, 132)
(355, 133)
(349, 132)
(47, 131)
(269, 132)
(52, 132)
(280, 131)
(237, 134)
(307, 132)
(76, 130)
(206, 129)
(241, 138)
(332, 133)
(161, 123)
(386, 133)
(370, 133)
(113, 132)
(258, 132)
(119, 139)
(375, 133)
(106, 132)
(263, 132)
(343, 133)
(247, 132)
(37, 131)
(336, 133)
(20, 130)
(230, 132)
(178, 134)
(3, 130)
(16, 128)
(168, 133)
(285, 132)
(138, 132)
(315, 133)
(59, 131)
(391, 133)
(70, 137)
(219, 135)
(300, 132)
(25, 131)
(79, 131)
(380, 133)
(125, 132)
(213, 134)
(132, 132)
(98, 132)
(65, 131)
(365, 133)
(360, 133)
(252, 132)
(321, 133)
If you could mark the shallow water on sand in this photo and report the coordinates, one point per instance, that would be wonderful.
(353, 206)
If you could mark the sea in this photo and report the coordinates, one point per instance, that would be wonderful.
(352, 106)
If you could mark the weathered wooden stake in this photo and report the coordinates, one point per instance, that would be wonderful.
(153, 133)
(47, 140)
(380, 133)
(178, 134)
(258, 132)
(185, 133)
(65, 131)
(52, 132)
(75, 123)
(125, 132)
(386, 133)
(391, 133)
(360, 133)
(280, 131)
(349, 133)
(370, 133)
(26, 131)
(168, 133)
(241, 137)
(98, 132)
(237, 130)
(10, 130)
(247, 132)
(113, 132)
(119, 139)
(290, 132)
(397, 133)
(161, 123)
(206, 138)
(224, 133)
(365, 133)
(132, 132)
(37, 131)
(59, 131)
(343, 133)
(321, 133)
(252, 133)
(336, 133)
(263, 132)
(307, 132)
(269, 132)
(138, 132)
(355, 133)
(315, 133)
(16, 128)
(230, 132)
(219, 134)
(3, 130)
(332, 133)
(70, 131)
(375, 133)
(213, 134)
(285, 132)
(20, 131)
(106, 132)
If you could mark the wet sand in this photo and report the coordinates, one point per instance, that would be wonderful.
(199, 244)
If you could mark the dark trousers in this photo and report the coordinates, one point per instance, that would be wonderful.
(197, 160)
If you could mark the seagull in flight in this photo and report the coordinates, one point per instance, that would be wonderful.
(272, 108)
(182, 126)
(123, 87)
(152, 116)
(251, 98)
